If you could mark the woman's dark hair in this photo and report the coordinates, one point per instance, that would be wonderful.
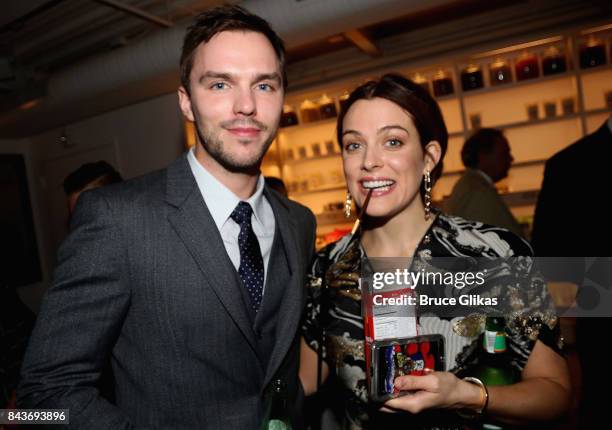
(482, 141)
(226, 18)
(415, 100)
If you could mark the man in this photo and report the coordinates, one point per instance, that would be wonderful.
(487, 158)
(190, 278)
(86, 177)
(570, 221)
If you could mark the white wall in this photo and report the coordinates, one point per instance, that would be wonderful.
(136, 139)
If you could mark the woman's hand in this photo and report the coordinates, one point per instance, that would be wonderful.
(434, 390)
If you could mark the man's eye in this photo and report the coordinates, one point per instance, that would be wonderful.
(218, 86)
(265, 87)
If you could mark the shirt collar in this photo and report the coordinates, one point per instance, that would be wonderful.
(485, 176)
(219, 199)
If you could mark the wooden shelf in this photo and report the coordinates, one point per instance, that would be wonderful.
(521, 198)
(590, 70)
(334, 218)
(525, 163)
(598, 111)
(305, 126)
(455, 134)
(319, 190)
(518, 84)
(526, 123)
(559, 129)
(446, 97)
(309, 159)
(512, 199)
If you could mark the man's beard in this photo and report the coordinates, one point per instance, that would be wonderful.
(214, 146)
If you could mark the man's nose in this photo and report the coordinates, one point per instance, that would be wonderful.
(245, 103)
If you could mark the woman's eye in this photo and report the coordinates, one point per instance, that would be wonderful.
(351, 146)
(393, 143)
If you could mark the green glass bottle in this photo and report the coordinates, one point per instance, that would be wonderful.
(495, 367)
(278, 413)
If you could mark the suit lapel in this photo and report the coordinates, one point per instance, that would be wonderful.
(290, 309)
(196, 228)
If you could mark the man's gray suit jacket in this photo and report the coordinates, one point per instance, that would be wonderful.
(144, 280)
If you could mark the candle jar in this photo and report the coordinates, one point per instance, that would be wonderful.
(289, 117)
(309, 111)
(550, 109)
(608, 99)
(421, 81)
(553, 62)
(532, 112)
(475, 121)
(500, 72)
(592, 53)
(568, 105)
(471, 78)
(327, 107)
(527, 67)
(442, 84)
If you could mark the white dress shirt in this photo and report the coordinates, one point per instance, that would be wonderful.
(221, 202)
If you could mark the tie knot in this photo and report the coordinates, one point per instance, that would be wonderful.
(242, 213)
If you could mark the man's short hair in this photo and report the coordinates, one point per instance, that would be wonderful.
(226, 18)
(481, 141)
(99, 172)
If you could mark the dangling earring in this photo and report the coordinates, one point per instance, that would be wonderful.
(427, 183)
(348, 203)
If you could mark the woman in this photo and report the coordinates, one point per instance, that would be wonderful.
(393, 139)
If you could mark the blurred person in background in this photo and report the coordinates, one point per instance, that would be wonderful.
(487, 159)
(87, 177)
(576, 181)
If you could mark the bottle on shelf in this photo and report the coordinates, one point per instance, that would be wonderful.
(343, 99)
(277, 412)
(289, 117)
(527, 66)
(553, 61)
(327, 107)
(442, 84)
(500, 72)
(494, 366)
(420, 80)
(309, 111)
(471, 78)
(592, 53)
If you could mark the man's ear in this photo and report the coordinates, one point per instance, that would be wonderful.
(433, 154)
(185, 103)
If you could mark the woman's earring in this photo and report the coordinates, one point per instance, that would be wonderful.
(348, 203)
(427, 181)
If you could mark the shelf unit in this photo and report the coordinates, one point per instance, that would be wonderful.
(582, 100)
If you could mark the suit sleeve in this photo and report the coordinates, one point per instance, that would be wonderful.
(79, 322)
(548, 207)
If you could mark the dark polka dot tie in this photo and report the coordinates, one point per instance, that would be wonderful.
(251, 267)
